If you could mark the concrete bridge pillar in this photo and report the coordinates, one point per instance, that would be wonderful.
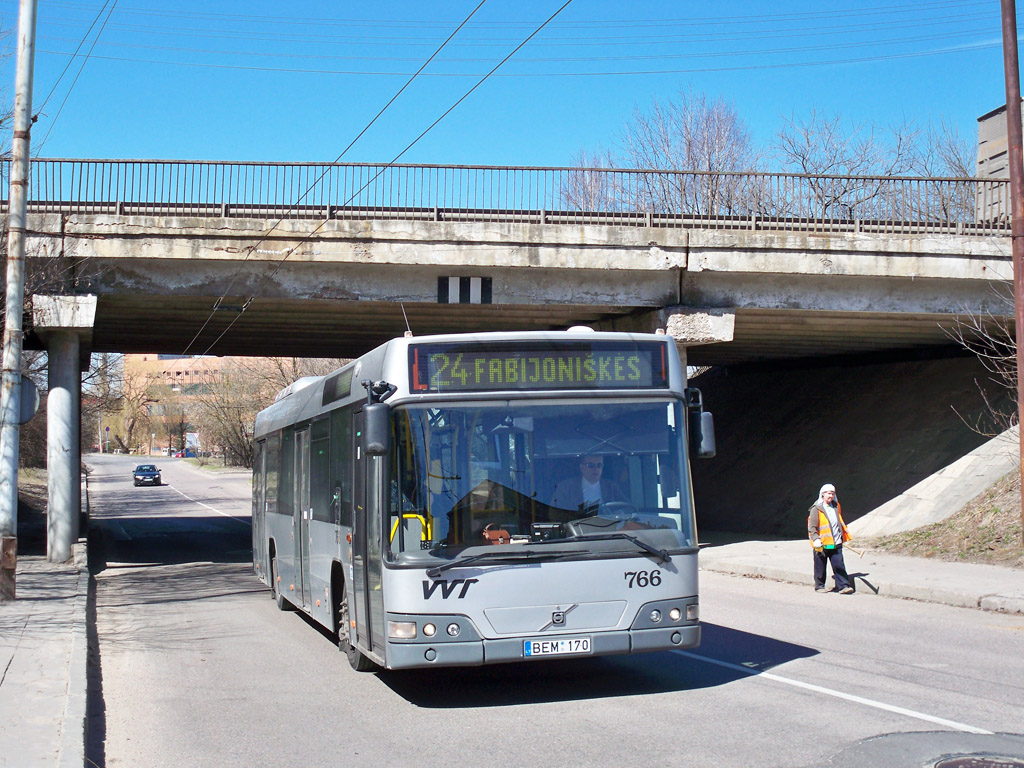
(63, 455)
(63, 322)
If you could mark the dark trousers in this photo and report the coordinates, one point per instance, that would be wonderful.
(834, 556)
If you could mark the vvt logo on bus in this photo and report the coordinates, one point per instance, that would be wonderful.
(447, 588)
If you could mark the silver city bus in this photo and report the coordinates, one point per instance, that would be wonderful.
(482, 498)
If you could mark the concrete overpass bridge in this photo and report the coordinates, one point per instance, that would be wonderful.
(320, 259)
(329, 259)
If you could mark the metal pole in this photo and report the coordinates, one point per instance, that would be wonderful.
(1015, 153)
(11, 413)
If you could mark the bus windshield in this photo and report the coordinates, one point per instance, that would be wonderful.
(605, 473)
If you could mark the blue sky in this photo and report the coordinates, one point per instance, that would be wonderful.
(258, 80)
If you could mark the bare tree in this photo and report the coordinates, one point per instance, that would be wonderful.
(990, 337)
(272, 374)
(702, 136)
(174, 422)
(591, 187)
(846, 163)
(133, 399)
(944, 152)
(226, 413)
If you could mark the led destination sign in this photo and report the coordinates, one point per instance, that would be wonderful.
(462, 367)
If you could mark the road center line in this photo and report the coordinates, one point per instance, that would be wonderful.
(838, 694)
(207, 506)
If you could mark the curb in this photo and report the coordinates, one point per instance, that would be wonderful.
(71, 748)
(1009, 603)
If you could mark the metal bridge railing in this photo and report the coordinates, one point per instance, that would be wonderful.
(643, 198)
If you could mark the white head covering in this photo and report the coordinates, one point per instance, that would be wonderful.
(821, 493)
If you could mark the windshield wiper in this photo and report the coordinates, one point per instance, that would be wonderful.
(520, 554)
(660, 553)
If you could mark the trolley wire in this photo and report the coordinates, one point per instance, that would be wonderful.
(481, 81)
(311, 186)
(80, 69)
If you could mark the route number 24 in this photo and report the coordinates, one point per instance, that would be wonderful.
(643, 578)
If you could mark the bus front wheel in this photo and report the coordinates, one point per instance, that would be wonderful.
(275, 587)
(356, 659)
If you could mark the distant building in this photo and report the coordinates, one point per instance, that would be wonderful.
(993, 163)
(174, 381)
(182, 375)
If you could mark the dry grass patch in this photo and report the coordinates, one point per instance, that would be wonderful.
(987, 530)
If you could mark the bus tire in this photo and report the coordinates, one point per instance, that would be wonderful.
(356, 659)
(275, 589)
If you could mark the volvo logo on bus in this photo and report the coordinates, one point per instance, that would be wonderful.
(558, 618)
(447, 588)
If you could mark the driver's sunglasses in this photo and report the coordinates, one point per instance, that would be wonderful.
(593, 464)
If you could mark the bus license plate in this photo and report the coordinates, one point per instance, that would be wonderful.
(556, 647)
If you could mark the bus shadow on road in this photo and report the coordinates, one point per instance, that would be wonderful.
(596, 678)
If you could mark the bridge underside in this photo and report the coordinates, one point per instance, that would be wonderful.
(304, 327)
(319, 328)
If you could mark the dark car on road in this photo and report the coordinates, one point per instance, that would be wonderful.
(146, 474)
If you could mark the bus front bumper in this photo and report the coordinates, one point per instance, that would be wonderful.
(410, 655)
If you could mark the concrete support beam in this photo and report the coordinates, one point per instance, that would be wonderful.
(691, 327)
(63, 453)
(63, 322)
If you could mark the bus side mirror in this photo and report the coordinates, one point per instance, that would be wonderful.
(706, 439)
(701, 426)
(377, 428)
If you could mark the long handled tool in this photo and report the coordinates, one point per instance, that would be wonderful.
(857, 552)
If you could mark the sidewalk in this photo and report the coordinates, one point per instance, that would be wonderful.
(968, 585)
(43, 647)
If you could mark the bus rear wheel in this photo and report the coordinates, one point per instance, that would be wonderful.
(356, 659)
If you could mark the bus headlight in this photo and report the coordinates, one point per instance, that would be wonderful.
(692, 612)
(453, 630)
(655, 616)
(675, 614)
(402, 630)
(429, 630)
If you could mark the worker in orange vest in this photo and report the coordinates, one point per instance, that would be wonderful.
(827, 532)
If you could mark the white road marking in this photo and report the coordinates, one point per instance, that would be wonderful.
(838, 694)
(246, 523)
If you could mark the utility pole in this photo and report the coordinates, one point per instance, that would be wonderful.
(10, 431)
(1015, 154)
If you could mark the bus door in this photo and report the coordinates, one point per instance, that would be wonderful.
(366, 540)
(359, 610)
(302, 513)
(259, 511)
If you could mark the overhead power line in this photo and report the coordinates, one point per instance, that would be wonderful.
(662, 38)
(978, 46)
(71, 58)
(77, 75)
(859, 10)
(337, 159)
(395, 159)
(960, 34)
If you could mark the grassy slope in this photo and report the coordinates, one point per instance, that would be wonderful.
(987, 530)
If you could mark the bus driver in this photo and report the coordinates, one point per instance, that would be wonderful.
(589, 490)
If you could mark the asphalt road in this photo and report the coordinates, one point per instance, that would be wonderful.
(193, 665)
